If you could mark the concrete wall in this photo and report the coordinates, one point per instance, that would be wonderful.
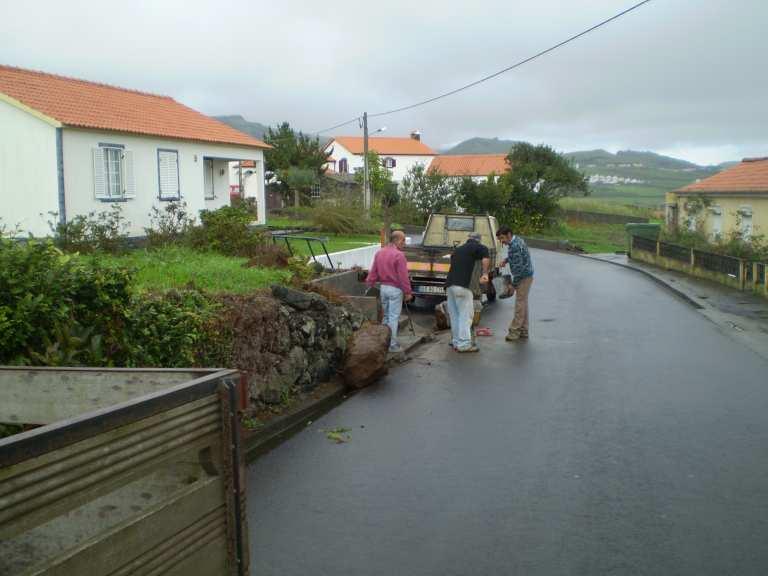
(698, 272)
(79, 174)
(28, 174)
(346, 259)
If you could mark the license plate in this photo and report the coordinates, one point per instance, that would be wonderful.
(429, 289)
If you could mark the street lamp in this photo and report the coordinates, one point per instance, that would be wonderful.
(367, 203)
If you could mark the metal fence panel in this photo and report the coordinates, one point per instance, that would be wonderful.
(717, 263)
(675, 252)
(646, 244)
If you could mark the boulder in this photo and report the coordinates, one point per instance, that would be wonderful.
(366, 359)
(299, 300)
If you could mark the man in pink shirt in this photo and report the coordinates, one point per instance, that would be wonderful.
(390, 270)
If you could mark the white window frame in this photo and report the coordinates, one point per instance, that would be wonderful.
(168, 195)
(208, 195)
(315, 192)
(113, 173)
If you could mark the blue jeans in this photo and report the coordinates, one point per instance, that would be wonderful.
(461, 309)
(392, 305)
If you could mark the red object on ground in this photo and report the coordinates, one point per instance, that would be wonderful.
(483, 332)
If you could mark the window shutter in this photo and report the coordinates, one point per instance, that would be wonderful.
(168, 169)
(130, 181)
(99, 176)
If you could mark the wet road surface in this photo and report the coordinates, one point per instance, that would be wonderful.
(628, 436)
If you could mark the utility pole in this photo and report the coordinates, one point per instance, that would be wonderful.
(366, 174)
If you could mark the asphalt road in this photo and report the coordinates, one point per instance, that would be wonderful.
(628, 436)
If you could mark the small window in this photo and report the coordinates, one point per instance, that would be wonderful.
(315, 191)
(460, 224)
(343, 166)
(389, 162)
(168, 174)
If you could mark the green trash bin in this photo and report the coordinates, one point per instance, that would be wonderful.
(650, 231)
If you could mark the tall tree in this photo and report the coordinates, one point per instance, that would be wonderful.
(427, 190)
(383, 190)
(293, 158)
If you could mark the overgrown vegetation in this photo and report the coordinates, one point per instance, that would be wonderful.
(104, 231)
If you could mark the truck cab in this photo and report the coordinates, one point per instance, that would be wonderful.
(430, 262)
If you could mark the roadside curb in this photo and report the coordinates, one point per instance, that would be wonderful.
(281, 428)
(679, 293)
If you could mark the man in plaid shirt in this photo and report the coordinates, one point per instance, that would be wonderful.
(521, 266)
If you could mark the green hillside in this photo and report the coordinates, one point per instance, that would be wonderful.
(239, 123)
(626, 177)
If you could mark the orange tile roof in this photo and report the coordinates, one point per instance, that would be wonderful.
(393, 146)
(749, 176)
(84, 104)
(470, 164)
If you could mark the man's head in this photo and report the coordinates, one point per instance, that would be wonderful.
(504, 235)
(397, 238)
(474, 237)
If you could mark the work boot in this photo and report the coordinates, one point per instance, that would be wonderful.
(513, 335)
(523, 334)
(472, 348)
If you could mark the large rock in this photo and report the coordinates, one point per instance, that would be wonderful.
(366, 359)
(299, 300)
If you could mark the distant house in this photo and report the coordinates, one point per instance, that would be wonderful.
(734, 200)
(476, 166)
(399, 155)
(73, 147)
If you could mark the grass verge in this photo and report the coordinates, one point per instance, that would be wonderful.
(334, 243)
(593, 238)
(182, 267)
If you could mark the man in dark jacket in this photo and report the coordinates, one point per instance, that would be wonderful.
(521, 266)
(461, 307)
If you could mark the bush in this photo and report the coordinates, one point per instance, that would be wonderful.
(176, 329)
(270, 256)
(168, 226)
(49, 299)
(227, 231)
(103, 232)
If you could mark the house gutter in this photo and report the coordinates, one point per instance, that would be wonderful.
(60, 175)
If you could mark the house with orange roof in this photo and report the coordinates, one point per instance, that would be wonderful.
(732, 201)
(398, 154)
(478, 167)
(72, 147)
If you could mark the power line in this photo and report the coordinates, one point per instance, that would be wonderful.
(499, 73)
(355, 119)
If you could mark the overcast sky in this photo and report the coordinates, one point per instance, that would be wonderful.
(680, 77)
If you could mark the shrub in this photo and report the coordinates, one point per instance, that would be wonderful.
(171, 225)
(177, 328)
(270, 256)
(104, 231)
(46, 296)
(227, 231)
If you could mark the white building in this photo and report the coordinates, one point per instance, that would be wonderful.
(73, 147)
(398, 154)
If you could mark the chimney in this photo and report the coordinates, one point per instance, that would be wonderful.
(416, 135)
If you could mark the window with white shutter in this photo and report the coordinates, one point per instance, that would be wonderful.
(113, 172)
(168, 174)
(208, 179)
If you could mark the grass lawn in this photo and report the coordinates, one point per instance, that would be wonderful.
(180, 267)
(593, 238)
(334, 243)
(604, 206)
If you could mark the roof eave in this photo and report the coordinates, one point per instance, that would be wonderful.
(31, 111)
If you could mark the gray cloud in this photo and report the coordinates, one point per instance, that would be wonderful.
(677, 75)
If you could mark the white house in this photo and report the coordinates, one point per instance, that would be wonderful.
(398, 154)
(72, 147)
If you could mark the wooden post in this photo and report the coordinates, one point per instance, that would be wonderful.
(755, 279)
(658, 249)
(693, 259)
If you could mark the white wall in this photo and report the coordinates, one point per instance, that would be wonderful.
(402, 163)
(28, 173)
(79, 184)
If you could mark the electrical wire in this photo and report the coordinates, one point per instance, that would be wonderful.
(495, 74)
